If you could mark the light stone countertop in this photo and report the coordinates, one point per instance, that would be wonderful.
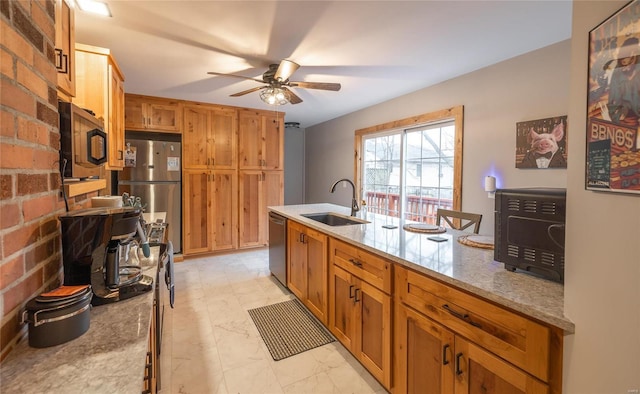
(465, 267)
(109, 358)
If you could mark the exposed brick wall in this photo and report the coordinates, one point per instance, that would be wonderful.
(30, 247)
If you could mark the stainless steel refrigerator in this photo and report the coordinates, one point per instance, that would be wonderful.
(153, 168)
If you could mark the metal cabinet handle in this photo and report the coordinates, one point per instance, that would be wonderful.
(444, 354)
(355, 262)
(458, 370)
(62, 61)
(351, 291)
(461, 316)
(356, 296)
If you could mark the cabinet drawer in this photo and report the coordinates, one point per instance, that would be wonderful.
(366, 266)
(513, 337)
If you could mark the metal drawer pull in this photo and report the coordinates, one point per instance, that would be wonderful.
(461, 316)
(355, 262)
(444, 354)
(356, 296)
(350, 291)
(458, 370)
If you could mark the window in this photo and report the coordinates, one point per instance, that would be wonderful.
(412, 167)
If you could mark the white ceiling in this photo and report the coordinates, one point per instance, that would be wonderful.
(377, 50)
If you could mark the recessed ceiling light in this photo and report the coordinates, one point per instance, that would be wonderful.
(94, 7)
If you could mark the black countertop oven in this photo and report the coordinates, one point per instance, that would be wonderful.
(83, 142)
(530, 230)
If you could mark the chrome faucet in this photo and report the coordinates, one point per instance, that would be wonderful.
(354, 203)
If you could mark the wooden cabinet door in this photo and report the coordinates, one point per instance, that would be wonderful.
(196, 213)
(251, 139)
(273, 150)
(163, 116)
(224, 207)
(258, 190)
(297, 260)
(341, 306)
(195, 138)
(373, 318)
(116, 120)
(424, 353)
(273, 192)
(251, 201)
(478, 371)
(316, 300)
(153, 114)
(100, 88)
(134, 115)
(224, 137)
(65, 48)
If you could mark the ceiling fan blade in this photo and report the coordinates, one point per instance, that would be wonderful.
(317, 85)
(292, 97)
(285, 70)
(235, 76)
(247, 91)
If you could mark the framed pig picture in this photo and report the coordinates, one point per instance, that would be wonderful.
(613, 103)
(542, 143)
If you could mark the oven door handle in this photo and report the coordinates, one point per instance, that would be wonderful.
(169, 277)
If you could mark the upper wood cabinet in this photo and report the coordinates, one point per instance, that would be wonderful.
(209, 137)
(100, 88)
(152, 114)
(261, 140)
(65, 48)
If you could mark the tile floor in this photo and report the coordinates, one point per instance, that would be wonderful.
(210, 344)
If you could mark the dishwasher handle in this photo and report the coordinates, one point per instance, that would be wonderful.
(277, 219)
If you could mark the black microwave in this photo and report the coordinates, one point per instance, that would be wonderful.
(83, 142)
(530, 230)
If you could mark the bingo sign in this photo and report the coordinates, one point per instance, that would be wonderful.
(613, 146)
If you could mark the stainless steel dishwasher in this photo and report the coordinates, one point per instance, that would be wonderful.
(278, 247)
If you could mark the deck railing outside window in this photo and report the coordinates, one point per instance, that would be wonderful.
(421, 209)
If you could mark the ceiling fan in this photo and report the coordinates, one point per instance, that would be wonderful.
(276, 91)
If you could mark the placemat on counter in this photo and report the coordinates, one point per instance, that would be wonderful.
(425, 228)
(477, 241)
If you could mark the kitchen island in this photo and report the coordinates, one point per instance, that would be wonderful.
(468, 268)
(411, 309)
(108, 358)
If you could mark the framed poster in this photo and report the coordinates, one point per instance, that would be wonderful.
(542, 143)
(613, 103)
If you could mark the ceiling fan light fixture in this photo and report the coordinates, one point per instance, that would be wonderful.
(274, 96)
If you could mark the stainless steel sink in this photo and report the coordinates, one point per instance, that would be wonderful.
(333, 219)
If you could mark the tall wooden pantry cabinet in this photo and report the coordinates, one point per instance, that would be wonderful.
(261, 165)
(233, 170)
(210, 178)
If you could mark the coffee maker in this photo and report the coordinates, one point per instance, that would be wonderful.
(99, 248)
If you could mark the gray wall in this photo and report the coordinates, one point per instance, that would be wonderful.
(293, 166)
(602, 287)
(528, 87)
